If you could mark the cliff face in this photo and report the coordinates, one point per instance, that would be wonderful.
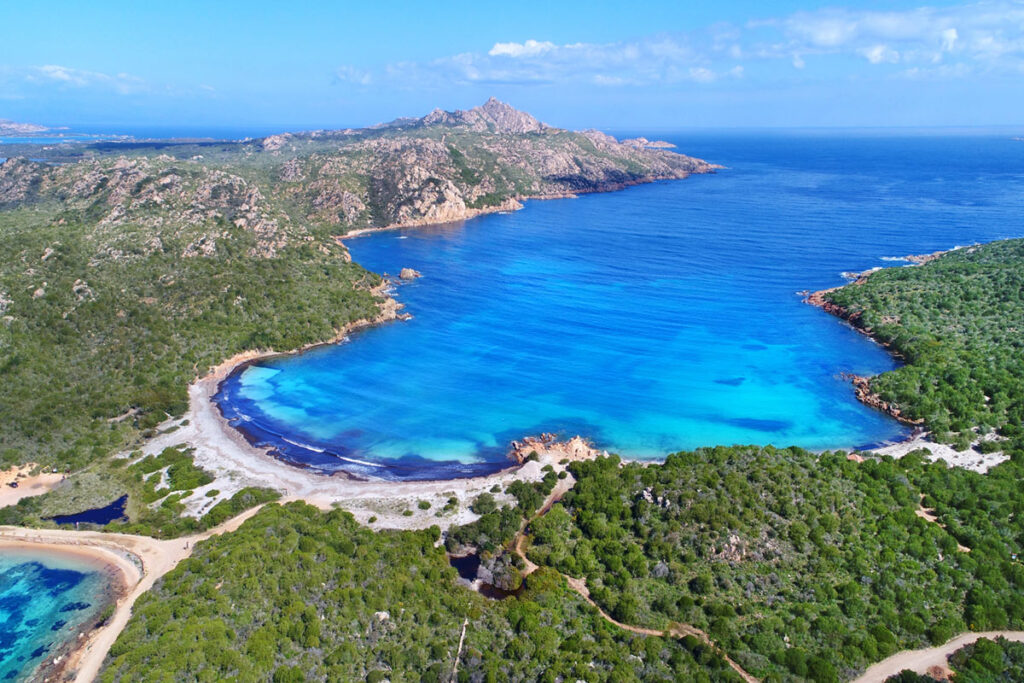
(443, 167)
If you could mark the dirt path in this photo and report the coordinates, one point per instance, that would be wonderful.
(458, 653)
(929, 516)
(560, 489)
(922, 660)
(675, 630)
(140, 559)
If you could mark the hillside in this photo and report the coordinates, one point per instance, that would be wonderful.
(127, 269)
(955, 320)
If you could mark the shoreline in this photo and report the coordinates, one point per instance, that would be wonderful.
(140, 561)
(120, 575)
(919, 438)
(251, 462)
(515, 203)
(862, 384)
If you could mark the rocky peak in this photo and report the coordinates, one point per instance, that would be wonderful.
(492, 115)
(508, 119)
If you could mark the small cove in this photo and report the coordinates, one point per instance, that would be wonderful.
(46, 597)
(651, 320)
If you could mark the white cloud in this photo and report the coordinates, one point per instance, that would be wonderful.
(528, 49)
(121, 83)
(350, 74)
(877, 54)
(982, 37)
(949, 37)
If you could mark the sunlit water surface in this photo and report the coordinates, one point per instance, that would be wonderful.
(655, 319)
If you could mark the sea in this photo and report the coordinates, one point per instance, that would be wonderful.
(663, 317)
(45, 598)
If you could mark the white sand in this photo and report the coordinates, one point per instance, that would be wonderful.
(141, 560)
(223, 452)
(969, 459)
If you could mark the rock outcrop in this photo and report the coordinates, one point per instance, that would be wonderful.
(862, 385)
(284, 189)
(576, 448)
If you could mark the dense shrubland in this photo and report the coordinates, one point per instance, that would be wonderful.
(799, 565)
(957, 322)
(296, 595)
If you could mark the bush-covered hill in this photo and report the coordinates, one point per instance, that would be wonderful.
(800, 566)
(299, 595)
(129, 268)
(958, 322)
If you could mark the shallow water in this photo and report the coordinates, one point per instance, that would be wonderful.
(44, 599)
(654, 319)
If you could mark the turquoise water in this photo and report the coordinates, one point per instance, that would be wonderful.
(654, 319)
(44, 599)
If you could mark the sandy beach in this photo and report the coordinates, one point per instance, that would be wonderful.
(222, 450)
(138, 560)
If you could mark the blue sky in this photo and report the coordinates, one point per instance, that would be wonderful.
(640, 65)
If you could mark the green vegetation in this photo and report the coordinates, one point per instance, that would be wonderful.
(296, 594)
(129, 269)
(956, 320)
(155, 486)
(497, 526)
(800, 566)
(124, 335)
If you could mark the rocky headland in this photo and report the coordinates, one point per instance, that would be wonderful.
(292, 187)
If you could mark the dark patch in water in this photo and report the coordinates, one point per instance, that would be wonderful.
(466, 565)
(758, 424)
(74, 606)
(104, 515)
(40, 651)
(58, 625)
(732, 381)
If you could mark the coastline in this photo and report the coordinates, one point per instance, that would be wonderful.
(862, 385)
(516, 203)
(120, 574)
(139, 560)
(919, 438)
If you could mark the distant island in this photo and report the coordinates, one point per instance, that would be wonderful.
(13, 128)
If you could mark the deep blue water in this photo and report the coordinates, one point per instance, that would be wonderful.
(654, 319)
(44, 600)
(103, 515)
